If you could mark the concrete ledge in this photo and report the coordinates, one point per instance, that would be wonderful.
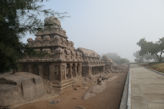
(129, 92)
(126, 101)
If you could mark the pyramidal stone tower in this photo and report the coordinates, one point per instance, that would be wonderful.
(62, 61)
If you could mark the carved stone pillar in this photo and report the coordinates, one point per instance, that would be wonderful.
(80, 69)
(103, 69)
(57, 72)
(71, 70)
(30, 68)
(66, 71)
(51, 71)
(40, 68)
(75, 69)
(78, 73)
(63, 71)
(89, 70)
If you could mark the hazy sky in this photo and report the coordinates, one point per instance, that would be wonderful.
(111, 25)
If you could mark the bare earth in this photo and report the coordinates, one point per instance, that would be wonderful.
(108, 98)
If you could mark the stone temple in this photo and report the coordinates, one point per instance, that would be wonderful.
(62, 61)
(91, 62)
(55, 66)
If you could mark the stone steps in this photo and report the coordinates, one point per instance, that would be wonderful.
(63, 84)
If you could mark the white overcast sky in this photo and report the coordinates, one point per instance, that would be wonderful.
(111, 25)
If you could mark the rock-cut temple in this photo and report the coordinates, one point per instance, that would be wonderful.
(52, 64)
(61, 62)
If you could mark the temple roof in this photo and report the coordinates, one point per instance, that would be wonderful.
(52, 21)
(88, 52)
(52, 26)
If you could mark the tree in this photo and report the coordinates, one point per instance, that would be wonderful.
(16, 18)
(155, 49)
(144, 58)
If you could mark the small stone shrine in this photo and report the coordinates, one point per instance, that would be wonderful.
(92, 64)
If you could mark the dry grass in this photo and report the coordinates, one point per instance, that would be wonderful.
(158, 66)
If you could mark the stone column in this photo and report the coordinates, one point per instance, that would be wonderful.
(40, 68)
(80, 69)
(60, 72)
(63, 71)
(30, 68)
(75, 69)
(89, 70)
(51, 71)
(78, 73)
(71, 70)
(103, 69)
(57, 71)
(66, 71)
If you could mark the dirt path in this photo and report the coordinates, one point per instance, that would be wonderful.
(109, 98)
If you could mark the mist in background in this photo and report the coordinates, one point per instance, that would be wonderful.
(110, 25)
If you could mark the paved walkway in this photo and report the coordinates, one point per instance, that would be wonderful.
(147, 88)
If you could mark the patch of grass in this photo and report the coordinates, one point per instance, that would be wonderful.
(157, 66)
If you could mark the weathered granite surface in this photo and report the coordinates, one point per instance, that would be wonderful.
(20, 87)
(92, 64)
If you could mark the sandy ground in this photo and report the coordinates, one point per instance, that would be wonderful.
(106, 96)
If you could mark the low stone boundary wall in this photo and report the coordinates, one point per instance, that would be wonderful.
(125, 101)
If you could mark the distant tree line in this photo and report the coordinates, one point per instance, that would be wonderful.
(150, 51)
